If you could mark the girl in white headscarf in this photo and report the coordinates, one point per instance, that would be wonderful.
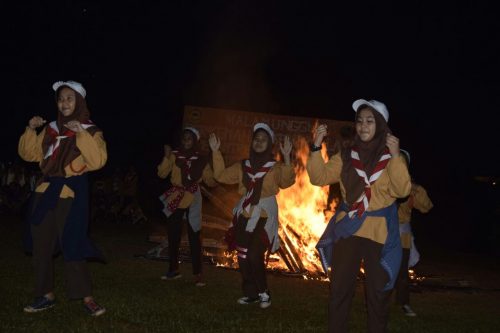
(255, 222)
(66, 150)
(187, 168)
(372, 175)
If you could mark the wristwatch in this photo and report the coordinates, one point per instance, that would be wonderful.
(313, 147)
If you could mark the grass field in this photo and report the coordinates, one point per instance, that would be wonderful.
(138, 301)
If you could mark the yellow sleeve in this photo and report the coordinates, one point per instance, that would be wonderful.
(286, 176)
(30, 145)
(208, 176)
(166, 166)
(225, 175)
(400, 181)
(404, 212)
(421, 200)
(92, 148)
(321, 173)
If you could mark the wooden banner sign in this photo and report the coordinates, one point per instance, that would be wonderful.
(234, 128)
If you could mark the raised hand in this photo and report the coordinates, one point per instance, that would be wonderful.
(36, 122)
(214, 142)
(286, 149)
(167, 150)
(74, 125)
(392, 143)
(320, 134)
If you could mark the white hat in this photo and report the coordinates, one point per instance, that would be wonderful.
(72, 84)
(194, 130)
(376, 105)
(266, 128)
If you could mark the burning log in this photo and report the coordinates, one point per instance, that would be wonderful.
(291, 255)
(294, 233)
(289, 262)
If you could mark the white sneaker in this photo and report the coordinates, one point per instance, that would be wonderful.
(247, 300)
(199, 281)
(408, 311)
(265, 300)
(155, 252)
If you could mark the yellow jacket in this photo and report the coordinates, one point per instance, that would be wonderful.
(92, 148)
(168, 166)
(419, 200)
(394, 182)
(279, 176)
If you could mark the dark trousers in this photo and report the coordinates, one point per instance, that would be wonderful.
(347, 255)
(46, 236)
(251, 250)
(403, 282)
(174, 229)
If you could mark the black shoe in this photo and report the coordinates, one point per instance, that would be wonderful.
(41, 303)
(171, 276)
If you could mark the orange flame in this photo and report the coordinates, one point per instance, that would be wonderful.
(303, 213)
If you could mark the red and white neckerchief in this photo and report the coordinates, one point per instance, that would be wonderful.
(56, 137)
(361, 205)
(188, 161)
(254, 175)
(179, 191)
(171, 206)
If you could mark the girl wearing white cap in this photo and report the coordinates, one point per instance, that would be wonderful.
(420, 201)
(66, 150)
(255, 222)
(187, 168)
(372, 175)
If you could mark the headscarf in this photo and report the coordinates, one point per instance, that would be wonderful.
(67, 151)
(191, 170)
(369, 154)
(257, 160)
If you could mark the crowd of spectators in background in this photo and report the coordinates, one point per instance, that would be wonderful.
(113, 197)
(18, 181)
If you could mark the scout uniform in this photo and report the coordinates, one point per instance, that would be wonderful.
(365, 230)
(58, 220)
(183, 199)
(255, 225)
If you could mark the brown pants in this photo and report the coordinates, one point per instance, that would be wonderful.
(403, 282)
(46, 235)
(252, 267)
(347, 256)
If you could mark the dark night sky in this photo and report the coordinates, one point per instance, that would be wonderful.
(435, 66)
